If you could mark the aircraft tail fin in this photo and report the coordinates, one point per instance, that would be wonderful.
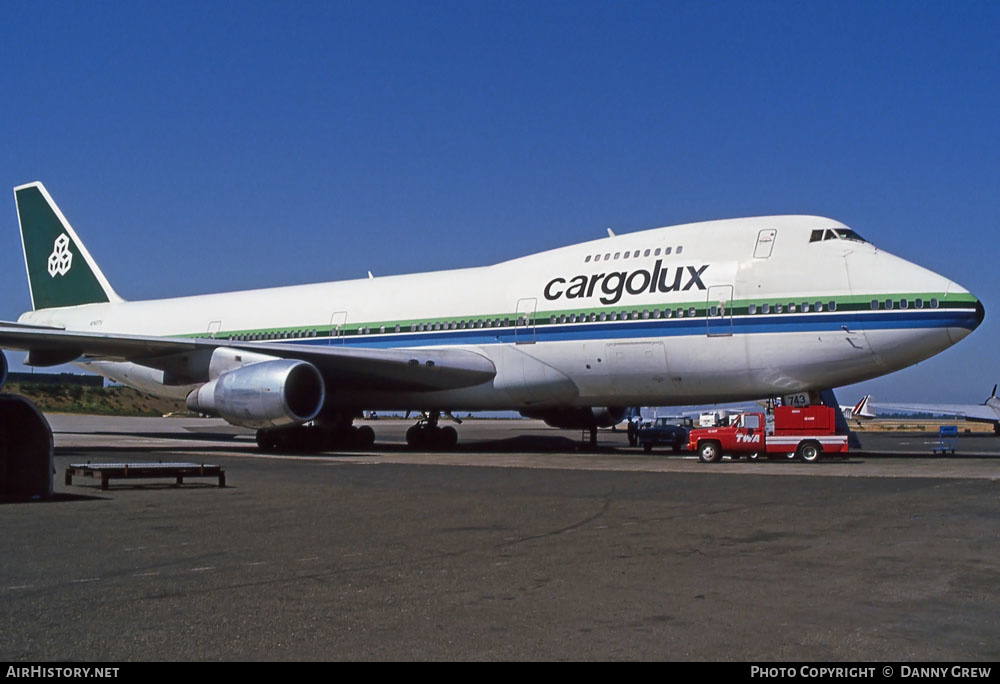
(61, 271)
(863, 408)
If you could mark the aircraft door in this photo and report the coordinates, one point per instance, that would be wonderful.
(765, 243)
(524, 321)
(338, 326)
(719, 316)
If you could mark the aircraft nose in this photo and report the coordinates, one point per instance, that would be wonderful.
(980, 313)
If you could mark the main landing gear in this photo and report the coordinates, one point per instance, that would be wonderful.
(311, 439)
(428, 436)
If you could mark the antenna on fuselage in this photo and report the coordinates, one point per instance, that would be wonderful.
(611, 233)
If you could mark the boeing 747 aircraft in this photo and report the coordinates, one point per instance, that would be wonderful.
(718, 311)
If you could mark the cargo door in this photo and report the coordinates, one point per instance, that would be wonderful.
(638, 369)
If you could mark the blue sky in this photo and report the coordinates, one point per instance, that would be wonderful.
(210, 146)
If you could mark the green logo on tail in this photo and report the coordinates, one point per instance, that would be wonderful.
(59, 273)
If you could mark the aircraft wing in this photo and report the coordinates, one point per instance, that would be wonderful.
(187, 358)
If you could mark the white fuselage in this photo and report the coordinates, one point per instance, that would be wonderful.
(716, 311)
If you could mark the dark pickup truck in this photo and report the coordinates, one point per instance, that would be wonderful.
(668, 431)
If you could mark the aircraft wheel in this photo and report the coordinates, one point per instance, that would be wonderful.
(266, 441)
(365, 437)
(447, 437)
(709, 452)
(416, 437)
(810, 452)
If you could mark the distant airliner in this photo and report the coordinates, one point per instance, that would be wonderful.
(707, 312)
(987, 412)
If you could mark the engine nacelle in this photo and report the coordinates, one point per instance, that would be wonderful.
(3, 369)
(270, 394)
(579, 418)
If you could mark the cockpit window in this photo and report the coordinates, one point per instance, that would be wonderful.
(848, 234)
(821, 235)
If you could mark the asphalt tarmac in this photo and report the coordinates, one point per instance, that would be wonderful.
(517, 546)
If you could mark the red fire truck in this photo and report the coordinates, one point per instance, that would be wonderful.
(807, 433)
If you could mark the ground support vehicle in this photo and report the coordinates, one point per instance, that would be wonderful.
(667, 431)
(798, 432)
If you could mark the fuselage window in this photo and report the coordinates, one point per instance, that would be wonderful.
(805, 307)
(680, 249)
(888, 303)
(829, 235)
(587, 260)
(904, 304)
(602, 316)
(791, 308)
(667, 313)
(934, 303)
(819, 306)
(656, 313)
(645, 313)
(381, 328)
(597, 258)
(778, 308)
(752, 309)
(816, 235)
(657, 252)
(692, 311)
(919, 303)
(397, 327)
(680, 312)
(613, 316)
(666, 252)
(714, 311)
(607, 257)
(874, 304)
(617, 254)
(765, 308)
(832, 306)
(646, 253)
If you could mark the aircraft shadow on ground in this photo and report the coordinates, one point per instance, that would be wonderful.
(58, 497)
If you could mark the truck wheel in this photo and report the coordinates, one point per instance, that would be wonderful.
(709, 452)
(809, 452)
(755, 456)
(647, 447)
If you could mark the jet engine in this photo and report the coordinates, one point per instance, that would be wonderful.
(578, 418)
(269, 394)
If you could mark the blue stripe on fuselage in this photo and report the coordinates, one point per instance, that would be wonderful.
(855, 321)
